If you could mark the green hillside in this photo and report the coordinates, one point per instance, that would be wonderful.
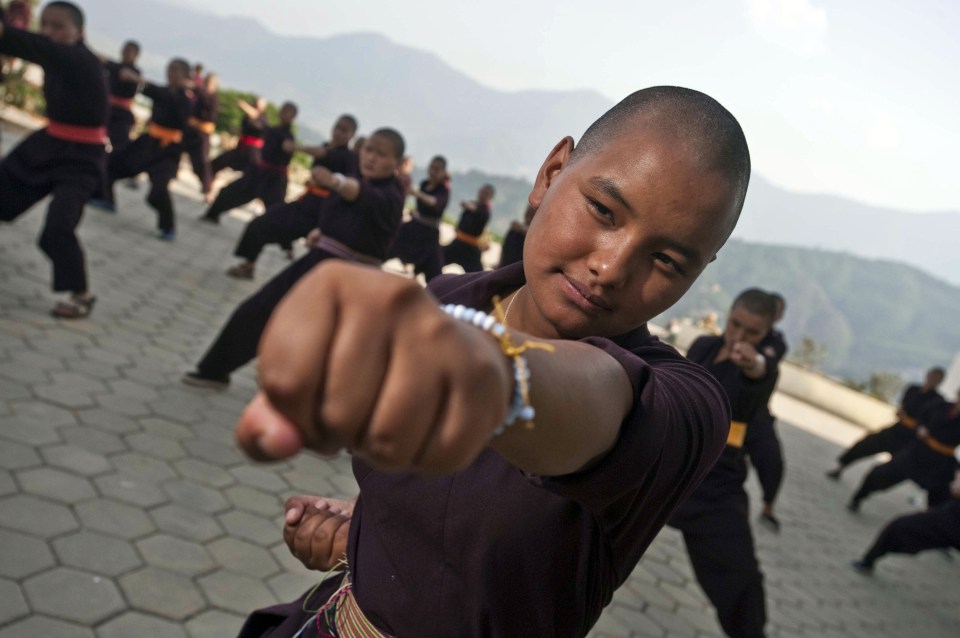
(871, 315)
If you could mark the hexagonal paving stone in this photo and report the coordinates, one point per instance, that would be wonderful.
(12, 603)
(69, 389)
(15, 456)
(215, 624)
(155, 446)
(251, 527)
(166, 429)
(24, 430)
(39, 412)
(290, 586)
(198, 497)
(73, 595)
(216, 453)
(55, 485)
(241, 556)
(236, 592)
(107, 420)
(135, 624)
(93, 440)
(142, 466)
(96, 553)
(186, 523)
(36, 516)
(116, 519)
(7, 485)
(22, 555)
(203, 472)
(41, 626)
(260, 478)
(75, 459)
(131, 490)
(162, 592)
(253, 500)
(176, 554)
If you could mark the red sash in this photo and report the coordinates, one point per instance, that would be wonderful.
(79, 134)
(255, 142)
(125, 103)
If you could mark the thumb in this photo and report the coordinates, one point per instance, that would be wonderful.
(265, 434)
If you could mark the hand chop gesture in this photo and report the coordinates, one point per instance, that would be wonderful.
(362, 360)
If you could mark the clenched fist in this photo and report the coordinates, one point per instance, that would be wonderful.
(362, 360)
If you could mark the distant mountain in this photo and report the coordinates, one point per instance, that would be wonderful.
(930, 241)
(872, 315)
(437, 108)
(487, 135)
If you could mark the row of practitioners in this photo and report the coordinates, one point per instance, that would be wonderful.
(68, 159)
(924, 447)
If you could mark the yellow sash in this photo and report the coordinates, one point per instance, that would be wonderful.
(738, 431)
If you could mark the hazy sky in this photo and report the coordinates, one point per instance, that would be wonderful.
(853, 97)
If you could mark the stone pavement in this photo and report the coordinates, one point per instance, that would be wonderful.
(126, 510)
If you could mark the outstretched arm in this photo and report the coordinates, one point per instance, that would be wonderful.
(382, 371)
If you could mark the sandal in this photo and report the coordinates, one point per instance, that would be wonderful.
(241, 271)
(74, 308)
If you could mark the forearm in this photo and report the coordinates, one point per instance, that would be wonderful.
(347, 188)
(581, 396)
(313, 151)
(429, 200)
(248, 110)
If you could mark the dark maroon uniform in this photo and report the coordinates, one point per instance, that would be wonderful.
(465, 249)
(916, 404)
(248, 147)
(492, 551)
(928, 463)
(936, 528)
(196, 138)
(285, 222)
(512, 249)
(52, 161)
(121, 97)
(266, 179)
(361, 230)
(155, 155)
(418, 241)
(714, 520)
(762, 443)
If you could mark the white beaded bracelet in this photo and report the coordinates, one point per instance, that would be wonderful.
(520, 408)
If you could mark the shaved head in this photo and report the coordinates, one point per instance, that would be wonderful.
(708, 131)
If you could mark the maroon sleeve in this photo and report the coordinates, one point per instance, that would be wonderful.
(381, 204)
(35, 48)
(667, 444)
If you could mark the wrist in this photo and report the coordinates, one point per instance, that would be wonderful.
(336, 182)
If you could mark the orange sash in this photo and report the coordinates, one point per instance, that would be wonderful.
(202, 126)
(468, 239)
(313, 189)
(167, 136)
(938, 447)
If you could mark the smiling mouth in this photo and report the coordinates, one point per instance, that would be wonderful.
(582, 296)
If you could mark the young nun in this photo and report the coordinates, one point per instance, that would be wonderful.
(510, 478)
(157, 151)
(466, 248)
(418, 241)
(202, 123)
(252, 129)
(66, 158)
(266, 178)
